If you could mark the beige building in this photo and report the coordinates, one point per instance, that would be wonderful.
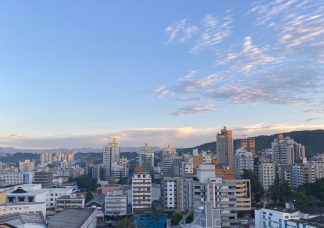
(72, 201)
(267, 174)
(141, 192)
(116, 203)
(247, 143)
(224, 147)
(26, 166)
(243, 193)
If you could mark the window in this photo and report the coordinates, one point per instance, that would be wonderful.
(55, 194)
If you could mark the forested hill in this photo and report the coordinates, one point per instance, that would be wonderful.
(312, 140)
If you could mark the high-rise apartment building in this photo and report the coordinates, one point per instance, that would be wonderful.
(115, 150)
(303, 173)
(171, 194)
(46, 157)
(243, 160)
(141, 192)
(319, 169)
(267, 174)
(168, 155)
(287, 151)
(107, 160)
(247, 143)
(224, 147)
(146, 159)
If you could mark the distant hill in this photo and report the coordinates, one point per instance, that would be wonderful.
(312, 140)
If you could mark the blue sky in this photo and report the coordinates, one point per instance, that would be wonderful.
(77, 73)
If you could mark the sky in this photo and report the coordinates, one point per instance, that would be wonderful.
(76, 74)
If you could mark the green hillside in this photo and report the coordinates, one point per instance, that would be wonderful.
(312, 140)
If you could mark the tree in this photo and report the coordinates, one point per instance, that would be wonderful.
(257, 190)
(84, 181)
(127, 222)
(178, 216)
(88, 197)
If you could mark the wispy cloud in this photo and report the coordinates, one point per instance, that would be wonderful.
(247, 59)
(162, 91)
(194, 109)
(214, 33)
(180, 31)
(266, 12)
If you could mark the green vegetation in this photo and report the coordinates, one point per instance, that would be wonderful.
(257, 190)
(88, 197)
(127, 222)
(315, 192)
(84, 181)
(312, 140)
(178, 216)
(282, 193)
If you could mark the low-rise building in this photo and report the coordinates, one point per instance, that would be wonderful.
(14, 178)
(24, 220)
(74, 218)
(45, 178)
(275, 217)
(72, 201)
(13, 208)
(28, 193)
(116, 203)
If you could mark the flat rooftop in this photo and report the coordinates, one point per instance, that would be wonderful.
(72, 218)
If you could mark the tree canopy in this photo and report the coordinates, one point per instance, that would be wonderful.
(257, 190)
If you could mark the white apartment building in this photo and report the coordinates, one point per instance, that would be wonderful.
(171, 194)
(26, 166)
(31, 207)
(274, 217)
(28, 193)
(187, 166)
(287, 151)
(116, 203)
(141, 192)
(243, 160)
(303, 173)
(267, 174)
(57, 193)
(14, 178)
(319, 169)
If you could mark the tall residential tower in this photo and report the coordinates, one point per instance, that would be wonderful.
(224, 147)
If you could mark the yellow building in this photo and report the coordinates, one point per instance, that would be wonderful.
(3, 197)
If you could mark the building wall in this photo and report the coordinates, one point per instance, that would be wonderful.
(91, 222)
(2, 197)
(141, 192)
(171, 194)
(116, 203)
(272, 218)
(12, 208)
(267, 174)
(224, 147)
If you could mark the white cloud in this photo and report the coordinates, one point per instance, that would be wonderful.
(194, 109)
(266, 12)
(250, 57)
(177, 137)
(180, 31)
(215, 32)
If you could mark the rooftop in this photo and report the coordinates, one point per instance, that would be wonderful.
(312, 210)
(99, 199)
(72, 218)
(69, 197)
(282, 209)
(17, 220)
(317, 221)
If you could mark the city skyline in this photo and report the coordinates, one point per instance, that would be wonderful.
(167, 73)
